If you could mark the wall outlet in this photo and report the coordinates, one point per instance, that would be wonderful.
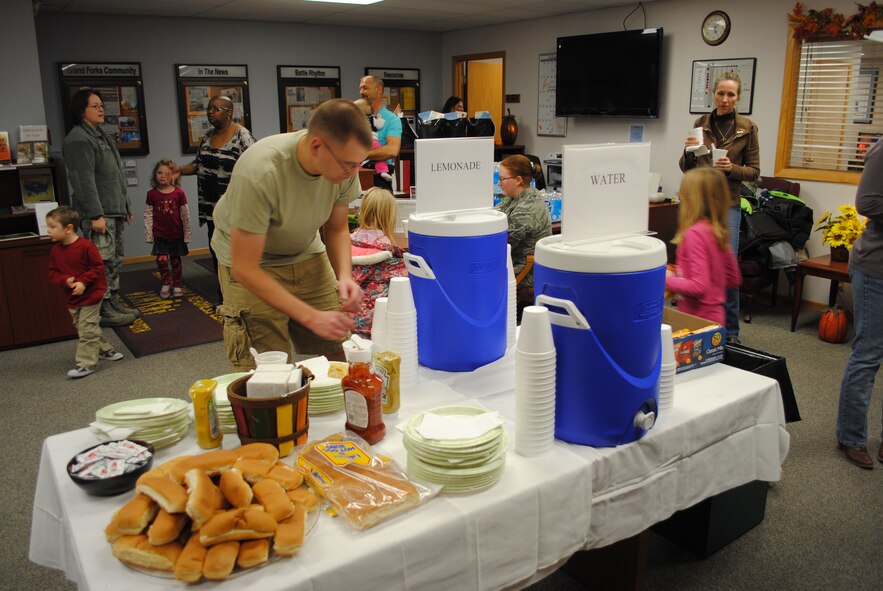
(128, 164)
(131, 182)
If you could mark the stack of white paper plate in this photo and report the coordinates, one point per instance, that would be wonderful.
(460, 465)
(225, 411)
(326, 395)
(158, 421)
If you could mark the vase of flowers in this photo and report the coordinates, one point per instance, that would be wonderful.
(841, 231)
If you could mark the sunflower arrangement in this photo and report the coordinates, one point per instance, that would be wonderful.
(842, 229)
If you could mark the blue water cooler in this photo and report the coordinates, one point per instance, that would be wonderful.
(605, 299)
(457, 266)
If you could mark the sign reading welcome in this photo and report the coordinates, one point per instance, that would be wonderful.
(454, 173)
(606, 190)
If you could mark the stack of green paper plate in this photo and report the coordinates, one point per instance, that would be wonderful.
(326, 395)
(459, 465)
(158, 421)
(225, 411)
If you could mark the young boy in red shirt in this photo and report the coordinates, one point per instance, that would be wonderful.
(76, 266)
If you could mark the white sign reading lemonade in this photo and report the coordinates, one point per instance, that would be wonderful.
(454, 173)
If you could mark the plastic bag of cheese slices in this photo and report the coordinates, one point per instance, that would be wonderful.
(363, 487)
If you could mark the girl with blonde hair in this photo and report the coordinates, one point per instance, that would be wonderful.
(376, 258)
(706, 265)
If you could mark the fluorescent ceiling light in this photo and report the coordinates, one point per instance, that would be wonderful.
(359, 2)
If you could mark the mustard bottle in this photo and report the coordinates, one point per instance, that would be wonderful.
(205, 413)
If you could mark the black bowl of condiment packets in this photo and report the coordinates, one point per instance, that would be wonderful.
(112, 467)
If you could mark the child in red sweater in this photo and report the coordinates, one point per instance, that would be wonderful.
(706, 265)
(76, 266)
(167, 224)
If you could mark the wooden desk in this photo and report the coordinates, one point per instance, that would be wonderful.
(822, 267)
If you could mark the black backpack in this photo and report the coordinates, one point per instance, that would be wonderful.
(793, 216)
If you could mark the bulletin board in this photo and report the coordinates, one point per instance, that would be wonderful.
(547, 122)
(121, 92)
(197, 84)
(301, 90)
(705, 72)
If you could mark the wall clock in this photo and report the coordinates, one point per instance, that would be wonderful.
(716, 27)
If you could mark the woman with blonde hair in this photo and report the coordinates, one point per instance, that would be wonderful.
(725, 129)
(706, 265)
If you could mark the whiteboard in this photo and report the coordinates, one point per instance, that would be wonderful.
(547, 122)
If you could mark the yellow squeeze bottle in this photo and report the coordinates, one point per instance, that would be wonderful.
(205, 414)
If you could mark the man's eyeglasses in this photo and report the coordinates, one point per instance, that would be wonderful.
(346, 166)
(215, 109)
(98, 106)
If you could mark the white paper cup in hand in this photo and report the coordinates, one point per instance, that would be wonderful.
(400, 297)
(536, 331)
(696, 132)
(668, 347)
(717, 154)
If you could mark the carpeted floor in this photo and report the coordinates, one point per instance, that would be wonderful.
(166, 324)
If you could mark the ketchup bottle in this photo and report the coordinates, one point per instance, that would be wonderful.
(362, 393)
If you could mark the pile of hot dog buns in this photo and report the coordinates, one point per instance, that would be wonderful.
(201, 516)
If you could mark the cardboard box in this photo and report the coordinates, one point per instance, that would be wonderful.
(702, 346)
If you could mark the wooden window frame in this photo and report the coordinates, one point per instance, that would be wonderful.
(786, 125)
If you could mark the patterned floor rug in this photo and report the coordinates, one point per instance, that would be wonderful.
(169, 324)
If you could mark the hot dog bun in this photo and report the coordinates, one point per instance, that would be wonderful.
(253, 470)
(237, 524)
(188, 568)
(303, 495)
(289, 535)
(134, 516)
(166, 527)
(220, 560)
(285, 475)
(253, 553)
(138, 551)
(235, 489)
(258, 451)
(272, 497)
(167, 493)
(212, 463)
(204, 497)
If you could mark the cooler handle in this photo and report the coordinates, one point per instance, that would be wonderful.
(418, 267)
(573, 319)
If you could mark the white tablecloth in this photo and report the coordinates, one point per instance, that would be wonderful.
(727, 428)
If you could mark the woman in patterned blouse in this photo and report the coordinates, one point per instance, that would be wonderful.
(218, 152)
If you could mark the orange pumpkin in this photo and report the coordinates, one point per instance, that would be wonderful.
(832, 326)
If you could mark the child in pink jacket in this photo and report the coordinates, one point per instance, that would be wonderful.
(706, 265)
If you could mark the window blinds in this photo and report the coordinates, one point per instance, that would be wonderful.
(838, 98)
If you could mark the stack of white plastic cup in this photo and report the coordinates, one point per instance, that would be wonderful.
(378, 325)
(511, 311)
(667, 371)
(534, 383)
(401, 330)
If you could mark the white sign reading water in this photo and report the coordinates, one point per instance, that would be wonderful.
(455, 173)
(606, 192)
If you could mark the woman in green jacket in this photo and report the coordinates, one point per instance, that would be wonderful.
(95, 173)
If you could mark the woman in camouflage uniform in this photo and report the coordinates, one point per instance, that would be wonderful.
(528, 216)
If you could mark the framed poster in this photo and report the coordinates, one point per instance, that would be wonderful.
(401, 90)
(301, 90)
(197, 84)
(121, 90)
(547, 122)
(705, 72)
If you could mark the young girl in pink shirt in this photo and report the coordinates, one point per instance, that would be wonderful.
(706, 265)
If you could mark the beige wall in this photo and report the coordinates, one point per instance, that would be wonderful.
(759, 29)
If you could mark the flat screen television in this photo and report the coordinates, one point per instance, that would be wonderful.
(609, 74)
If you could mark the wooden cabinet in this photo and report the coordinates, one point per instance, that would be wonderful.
(32, 310)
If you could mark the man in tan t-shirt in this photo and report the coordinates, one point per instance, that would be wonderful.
(281, 284)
